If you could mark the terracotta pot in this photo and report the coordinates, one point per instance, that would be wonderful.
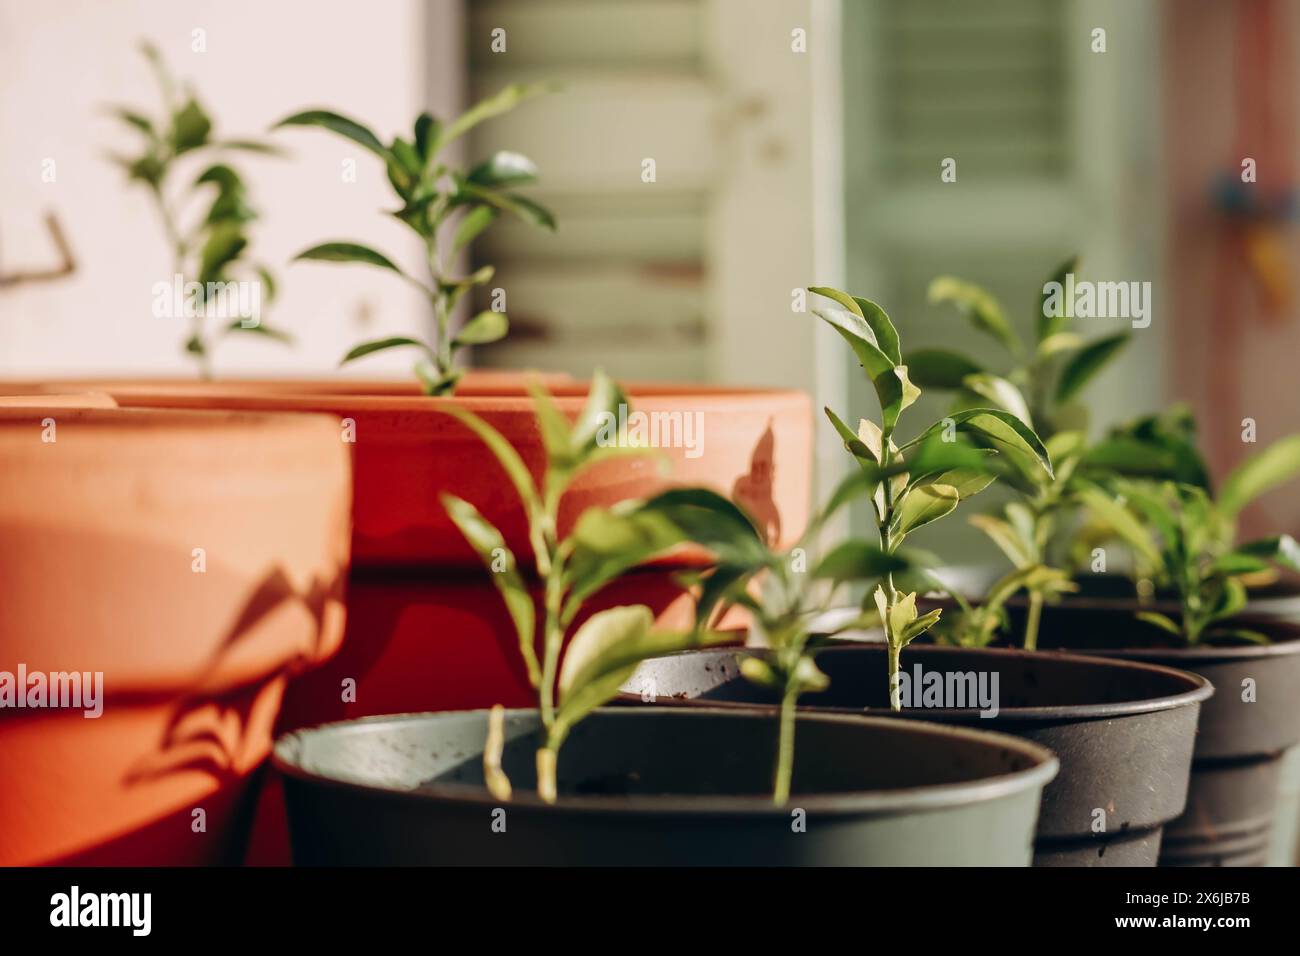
(427, 630)
(99, 574)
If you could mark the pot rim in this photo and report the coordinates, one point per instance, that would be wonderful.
(870, 802)
(1198, 689)
(391, 394)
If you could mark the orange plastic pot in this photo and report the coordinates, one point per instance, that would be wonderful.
(186, 564)
(426, 627)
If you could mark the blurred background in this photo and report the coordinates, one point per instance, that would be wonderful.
(794, 142)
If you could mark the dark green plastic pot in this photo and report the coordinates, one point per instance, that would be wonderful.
(652, 786)
(1236, 788)
(1124, 732)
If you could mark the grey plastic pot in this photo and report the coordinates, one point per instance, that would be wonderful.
(1123, 732)
(652, 786)
(1245, 729)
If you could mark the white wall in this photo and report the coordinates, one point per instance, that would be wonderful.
(61, 61)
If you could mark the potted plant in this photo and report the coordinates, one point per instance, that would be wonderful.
(1104, 808)
(677, 787)
(1040, 386)
(212, 278)
(437, 196)
(164, 575)
(1183, 537)
(413, 574)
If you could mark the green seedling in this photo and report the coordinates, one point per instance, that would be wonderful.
(447, 206)
(211, 253)
(928, 477)
(604, 651)
(1041, 388)
(1184, 536)
(785, 595)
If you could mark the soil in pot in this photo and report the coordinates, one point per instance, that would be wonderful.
(1123, 732)
(1245, 728)
(662, 786)
(189, 563)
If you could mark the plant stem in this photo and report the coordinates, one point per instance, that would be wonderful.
(895, 688)
(546, 761)
(552, 639)
(891, 592)
(1031, 621)
(785, 747)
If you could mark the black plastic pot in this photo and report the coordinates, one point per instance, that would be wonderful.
(1124, 732)
(650, 786)
(1236, 772)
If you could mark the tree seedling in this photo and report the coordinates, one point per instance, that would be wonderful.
(605, 650)
(1185, 537)
(791, 597)
(209, 254)
(1041, 389)
(928, 476)
(447, 207)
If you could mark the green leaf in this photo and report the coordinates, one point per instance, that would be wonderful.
(1084, 365)
(487, 326)
(1009, 542)
(500, 562)
(408, 160)
(435, 381)
(1161, 621)
(884, 335)
(1001, 393)
(1059, 342)
(342, 125)
(268, 283)
(857, 561)
(1050, 325)
(1235, 562)
(1123, 523)
(919, 626)
(250, 146)
(604, 399)
(504, 169)
(505, 454)
(223, 246)
(940, 368)
(261, 328)
(379, 345)
(190, 127)
(1242, 634)
(426, 134)
(965, 481)
(502, 102)
(893, 388)
(474, 222)
(349, 252)
(1275, 465)
(605, 653)
(978, 306)
(1281, 549)
(760, 672)
(1231, 599)
(999, 430)
(923, 504)
(530, 212)
(132, 118)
